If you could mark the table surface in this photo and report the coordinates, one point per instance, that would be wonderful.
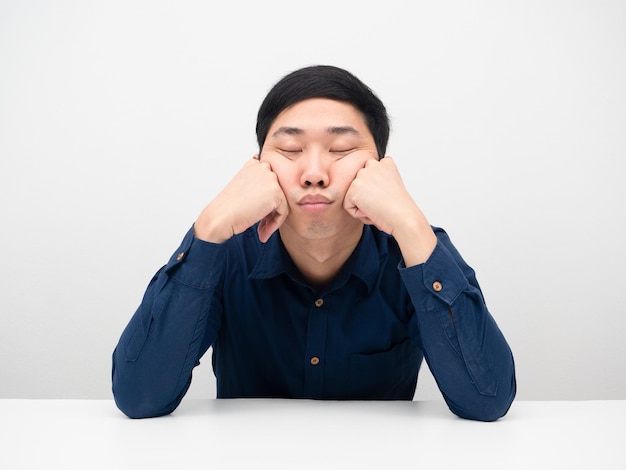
(301, 434)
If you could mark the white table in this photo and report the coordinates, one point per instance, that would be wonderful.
(302, 434)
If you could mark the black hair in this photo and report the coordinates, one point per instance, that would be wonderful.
(324, 81)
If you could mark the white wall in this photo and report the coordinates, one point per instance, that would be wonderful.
(120, 120)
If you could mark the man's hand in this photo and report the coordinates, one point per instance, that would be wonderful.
(253, 195)
(378, 196)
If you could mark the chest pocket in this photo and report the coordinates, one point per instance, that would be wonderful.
(385, 375)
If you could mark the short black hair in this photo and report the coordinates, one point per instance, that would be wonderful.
(324, 81)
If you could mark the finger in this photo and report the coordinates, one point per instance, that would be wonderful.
(351, 208)
(282, 213)
(264, 230)
(350, 202)
(266, 162)
(268, 225)
(273, 221)
(358, 214)
(388, 161)
(251, 163)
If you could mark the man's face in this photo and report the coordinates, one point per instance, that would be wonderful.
(315, 148)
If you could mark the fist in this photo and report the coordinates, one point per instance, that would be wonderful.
(377, 196)
(253, 195)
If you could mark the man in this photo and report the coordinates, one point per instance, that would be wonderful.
(314, 274)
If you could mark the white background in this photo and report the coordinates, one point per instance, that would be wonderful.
(120, 120)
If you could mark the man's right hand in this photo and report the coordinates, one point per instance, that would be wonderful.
(253, 195)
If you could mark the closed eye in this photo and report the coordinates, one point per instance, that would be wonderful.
(289, 154)
(342, 151)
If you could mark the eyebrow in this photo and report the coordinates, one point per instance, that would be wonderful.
(342, 130)
(336, 130)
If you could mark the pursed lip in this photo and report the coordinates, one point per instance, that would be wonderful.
(314, 199)
(314, 203)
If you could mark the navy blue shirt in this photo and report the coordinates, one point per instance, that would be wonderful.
(274, 336)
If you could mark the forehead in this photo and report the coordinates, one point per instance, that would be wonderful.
(319, 113)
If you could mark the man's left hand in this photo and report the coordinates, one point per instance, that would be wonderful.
(378, 196)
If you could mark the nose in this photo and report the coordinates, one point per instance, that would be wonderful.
(314, 171)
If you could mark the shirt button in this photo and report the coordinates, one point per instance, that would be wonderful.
(319, 302)
(315, 360)
(180, 256)
(437, 286)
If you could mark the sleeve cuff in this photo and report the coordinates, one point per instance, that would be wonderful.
(197, 263)
(439, 279)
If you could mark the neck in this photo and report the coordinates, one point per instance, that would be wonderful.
(319, 260)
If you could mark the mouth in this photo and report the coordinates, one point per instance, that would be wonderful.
(314, 203)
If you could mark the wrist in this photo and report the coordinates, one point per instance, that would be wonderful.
(416, 240)
(211, 228)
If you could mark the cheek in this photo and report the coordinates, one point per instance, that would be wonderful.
(344, 171)
(285, 171)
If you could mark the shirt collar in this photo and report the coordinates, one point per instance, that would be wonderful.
(363, 263)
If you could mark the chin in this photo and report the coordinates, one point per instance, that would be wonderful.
(319, 228)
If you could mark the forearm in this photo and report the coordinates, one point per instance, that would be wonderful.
(470, 360)
(415, 238)
(165, 338)
(465, 350)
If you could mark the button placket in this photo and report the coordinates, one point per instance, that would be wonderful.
(314, 359)
(315, 348)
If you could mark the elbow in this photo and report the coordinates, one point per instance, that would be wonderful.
(487, 412)
(135, 404)
(139, 400)
(486, 408)
(139, 409)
